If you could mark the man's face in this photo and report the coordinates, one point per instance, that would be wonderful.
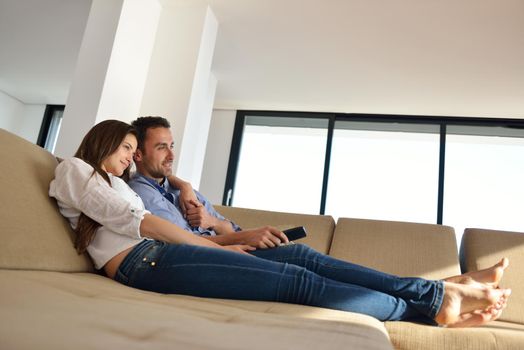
(156, 158)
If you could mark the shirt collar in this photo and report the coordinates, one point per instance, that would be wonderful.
(163, 184)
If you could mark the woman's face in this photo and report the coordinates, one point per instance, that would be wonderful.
(119, 160)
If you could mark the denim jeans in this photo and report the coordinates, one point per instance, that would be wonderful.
(291, 274)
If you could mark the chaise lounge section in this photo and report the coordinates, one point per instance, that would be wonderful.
(52, 298)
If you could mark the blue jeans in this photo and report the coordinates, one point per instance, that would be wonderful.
(291, 274)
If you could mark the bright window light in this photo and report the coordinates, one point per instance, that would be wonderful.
(483, 181)
(384, 171)
(281, 167)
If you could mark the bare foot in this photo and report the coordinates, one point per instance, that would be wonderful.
(460, 300)
(490, 276)
(475, 318)
(479, 318)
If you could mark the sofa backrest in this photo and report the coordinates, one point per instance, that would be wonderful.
(319, 227)
(482, 248)
(34, 235)
(400, 248)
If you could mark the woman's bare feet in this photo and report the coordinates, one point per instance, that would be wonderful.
(490, 276)
(475, 318)
(480, 317)
(463, 305)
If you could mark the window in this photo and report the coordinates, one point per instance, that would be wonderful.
(461, 172)
(281, 164)
(484, 172)
(384, 171)
(50, 127)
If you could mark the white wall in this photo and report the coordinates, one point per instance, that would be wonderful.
(10, 108)
(30, 122)
(21, 119)
(217, 155)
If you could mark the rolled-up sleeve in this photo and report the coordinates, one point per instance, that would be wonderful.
(76, 186)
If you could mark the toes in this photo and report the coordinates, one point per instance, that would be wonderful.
(504, 263)
(472, 319)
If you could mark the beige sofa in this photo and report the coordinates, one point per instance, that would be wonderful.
(51, 298)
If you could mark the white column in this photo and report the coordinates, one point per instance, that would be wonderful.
(217, 154)
(180, 85)
(112, 67)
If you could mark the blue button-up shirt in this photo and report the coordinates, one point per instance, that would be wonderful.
(155, 198)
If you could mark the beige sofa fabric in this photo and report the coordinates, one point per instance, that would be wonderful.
(496, 335)
(33, 233)
(483, 248)
(87, 311)
(311, 312)
(401, 248)
(65, 309)
(319, 228)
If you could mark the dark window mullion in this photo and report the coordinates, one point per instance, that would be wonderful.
(234, 157)
(442, 162)
(329, 143)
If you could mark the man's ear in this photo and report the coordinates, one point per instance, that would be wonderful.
(138, 156)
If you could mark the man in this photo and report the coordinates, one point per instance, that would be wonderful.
(174, 200)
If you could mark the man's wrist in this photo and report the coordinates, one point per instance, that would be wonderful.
(184, 185)
(223, 227)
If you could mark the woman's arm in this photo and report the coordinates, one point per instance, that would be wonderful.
(157, 228)
(162, 230)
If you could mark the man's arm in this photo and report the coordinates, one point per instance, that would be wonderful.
(198, 216)
(187, 195)
(262, 237)
(158, 204)
(198, 211)
(202, 214)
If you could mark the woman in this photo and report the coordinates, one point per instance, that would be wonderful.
(121, 237)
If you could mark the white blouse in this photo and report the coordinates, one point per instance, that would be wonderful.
(117, 208)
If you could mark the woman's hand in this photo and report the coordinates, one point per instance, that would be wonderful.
(187, 196)
(239, 248)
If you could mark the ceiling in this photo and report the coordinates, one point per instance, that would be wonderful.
(442, 57)
(40, 41)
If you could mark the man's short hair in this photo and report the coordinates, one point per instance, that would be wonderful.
(142, 124)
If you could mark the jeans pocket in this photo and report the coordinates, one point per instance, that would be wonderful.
(147, 260)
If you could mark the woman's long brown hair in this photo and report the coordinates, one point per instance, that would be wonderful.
(99, 143)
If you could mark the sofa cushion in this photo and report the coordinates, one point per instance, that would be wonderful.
(33, 233)
(319, 228)
(400, 248)
(54, 310)
(493, 336)
(483, 248)
(310, 312)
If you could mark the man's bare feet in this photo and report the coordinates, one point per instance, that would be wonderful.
(490, 276)
(462, 304)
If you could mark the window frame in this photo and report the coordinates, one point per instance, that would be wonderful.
(442, 121)
(49, 114)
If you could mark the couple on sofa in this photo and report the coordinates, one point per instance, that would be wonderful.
(164, 237)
